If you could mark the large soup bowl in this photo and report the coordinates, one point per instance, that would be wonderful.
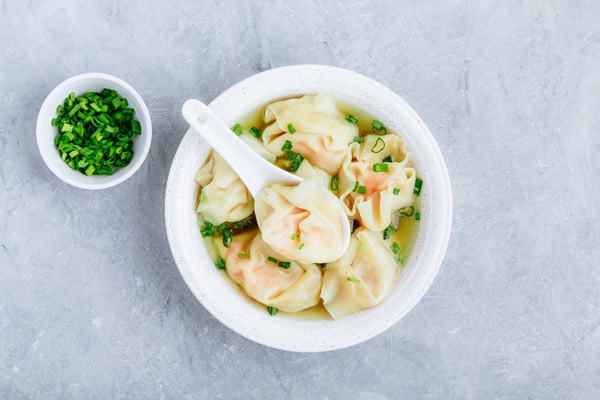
(227, 302)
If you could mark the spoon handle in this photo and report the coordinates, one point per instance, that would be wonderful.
(253, 170)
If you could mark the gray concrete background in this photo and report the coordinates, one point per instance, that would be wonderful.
(92, 305)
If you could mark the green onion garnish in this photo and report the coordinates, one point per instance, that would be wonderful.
(272, 310)
(202, 196)
(91, 128)
(387, 232)
(418, 185)
(387, 159)
(396, 191)
(255, 132)
(291, 128)
(378, 127)
(405, 212)
(237, 128)
(208, 229)
(287, 146)
(417, 216)
(284, 264)
(220, 263)
(358, 139)
(352, 119)
(355, 187)
(301, 246)
(395, 247)
(227, 236)
(335, 183)
(295, 236)
(298, 158)
(361, 247)
(362, 189)
(272, 259)
(378, 146)
(352, 279)
(400, 258)
(383, 167)
(243, 255)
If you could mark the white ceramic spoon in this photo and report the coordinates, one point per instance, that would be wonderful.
(253, 170)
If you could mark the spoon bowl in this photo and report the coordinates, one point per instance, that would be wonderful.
(256, 172)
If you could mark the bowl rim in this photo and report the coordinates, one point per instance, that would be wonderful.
(294, 335)
(49, 153)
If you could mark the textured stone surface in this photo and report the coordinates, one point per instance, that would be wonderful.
(91, 302)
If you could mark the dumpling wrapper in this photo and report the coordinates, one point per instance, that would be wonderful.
(372, 270)
(322, 132)
(289, 289)
(385, 192)
(301, 222)
(225, 197)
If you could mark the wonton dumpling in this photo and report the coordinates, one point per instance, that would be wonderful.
(289, 289)
(375, 207)
(225, 197)
(322, 132)
(368, 260)
(301, 222)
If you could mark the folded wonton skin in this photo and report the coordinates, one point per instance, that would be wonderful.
(385, 192)
(288, 289)
(301, 222)
(321, 133)
(224, 195)
(372, 270)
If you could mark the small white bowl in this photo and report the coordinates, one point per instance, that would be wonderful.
(228, 304)
(45, 132)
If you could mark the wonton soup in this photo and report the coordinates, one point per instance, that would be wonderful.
(273, 247)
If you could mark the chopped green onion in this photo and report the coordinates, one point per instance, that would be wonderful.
(227, 237)
(396, 191)
(418, 185)
(272, 259)
(208, 229)
(400, 258)
(352, 279)
(272, 310)
(298, 158)
(301, 246)
(358, 139)
(284, 264)
(255, 132)
(387, 232)
(91, 128)
(417, 216)
(378, 146)
(405, 212)
(220, 263)
(362, 189)
(335, 183)
(287, 146)
(295, 236)
(395, 247)
(381, 167)
(378, 127)
(237, 128)
(387, 159)
(202, 196)
(352, 119)
(243, 255)
(291, 128)
(361, 247)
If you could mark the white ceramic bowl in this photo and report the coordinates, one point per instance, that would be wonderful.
(79, 84)
(231, 307)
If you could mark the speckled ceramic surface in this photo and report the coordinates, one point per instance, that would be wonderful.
(310, 335)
